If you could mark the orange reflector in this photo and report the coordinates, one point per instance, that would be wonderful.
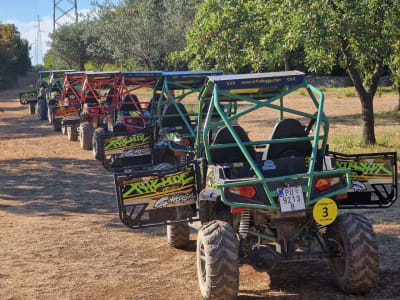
(325, 183)
(341, 197)
(236, 210)
(246, 191)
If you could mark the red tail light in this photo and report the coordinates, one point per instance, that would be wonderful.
(246, 191)
(325, 183)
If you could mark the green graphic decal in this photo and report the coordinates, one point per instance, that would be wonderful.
(360, 169)
(126, 141)
(161, 185)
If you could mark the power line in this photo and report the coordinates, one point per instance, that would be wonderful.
(64, 10)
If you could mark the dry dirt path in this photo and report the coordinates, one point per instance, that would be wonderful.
(60, 236)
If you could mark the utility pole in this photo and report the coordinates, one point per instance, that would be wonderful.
(64, 11)
(38, 43)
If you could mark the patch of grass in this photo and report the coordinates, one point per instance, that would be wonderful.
(349, 93)
(386, 141)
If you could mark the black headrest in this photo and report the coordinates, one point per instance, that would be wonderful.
(90, 97)
(128, 103)
(288, 128)
(110, 96)
(170, 109)
(229, 155)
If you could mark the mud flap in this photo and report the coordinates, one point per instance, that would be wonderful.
(27, 97)
(156, 197)
(373, 178)
(126, 149)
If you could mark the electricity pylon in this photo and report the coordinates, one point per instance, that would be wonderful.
(66, 10)
(38, 43)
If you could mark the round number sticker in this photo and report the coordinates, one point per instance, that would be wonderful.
(325, 211)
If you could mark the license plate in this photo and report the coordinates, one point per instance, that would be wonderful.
(291, 199)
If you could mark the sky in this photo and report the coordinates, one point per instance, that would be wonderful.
(24, 14)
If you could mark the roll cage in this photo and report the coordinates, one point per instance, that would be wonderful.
(264, 90)
(92, 100)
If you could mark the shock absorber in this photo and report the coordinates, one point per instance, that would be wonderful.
(244, 223)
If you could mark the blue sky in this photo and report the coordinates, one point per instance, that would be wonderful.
(24, 14)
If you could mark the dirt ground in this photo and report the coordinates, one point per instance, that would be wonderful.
(61, 238)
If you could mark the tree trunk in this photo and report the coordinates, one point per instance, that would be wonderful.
(286, 62)
(367, 106)
(398, 97)
(366, 96)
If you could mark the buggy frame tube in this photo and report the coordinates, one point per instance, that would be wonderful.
(309, 175)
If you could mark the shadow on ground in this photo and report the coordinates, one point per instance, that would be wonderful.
(314, 280)
(55, 186)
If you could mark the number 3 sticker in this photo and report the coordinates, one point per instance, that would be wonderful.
(325, 211)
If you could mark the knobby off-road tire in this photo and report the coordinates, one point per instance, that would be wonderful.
(42, 110)
(86, 135)
(50, 110)
(72, 133)
(356, 271)
(217, 261)
(56, 123)
(97, 146)
(32, 108)
(178, 235)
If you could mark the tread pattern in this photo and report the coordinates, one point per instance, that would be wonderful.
(220, 248)
(85, 135)
(72, 133)
(361, 266)
(178, 235)
(97, 146)
(42, 110)
(32, 108)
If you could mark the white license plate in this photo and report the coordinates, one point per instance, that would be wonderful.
(291, 199)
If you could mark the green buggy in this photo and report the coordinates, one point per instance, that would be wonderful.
(264, 201)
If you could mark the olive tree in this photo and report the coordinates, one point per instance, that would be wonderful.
(360, 33)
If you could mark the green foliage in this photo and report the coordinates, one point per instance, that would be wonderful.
(238, 36)
(70, 44)
(14, 54)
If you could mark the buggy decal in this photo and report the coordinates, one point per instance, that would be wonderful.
(27, 97)
(357, 186)
(144, 186)
(367, 168)
(118, 144)
(66, 112)
(175, 200)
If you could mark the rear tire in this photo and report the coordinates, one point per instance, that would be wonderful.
(50, 110)
(86, 135)
(72, 133)
(42, 109)
(56, 123)
(356, 270)
(217, 261)
(97, 146)
(32, 108)
(178, 235)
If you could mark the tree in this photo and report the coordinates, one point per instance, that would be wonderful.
(144, 33)
(238, 36)
(360, 33)
(70, 44)
(14, 54)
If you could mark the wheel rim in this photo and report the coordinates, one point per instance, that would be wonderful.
(202, 266)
